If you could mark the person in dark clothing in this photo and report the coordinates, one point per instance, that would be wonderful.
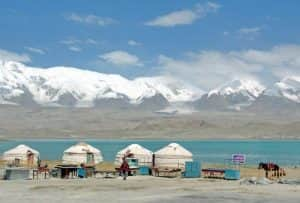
(39, 162)
(124, 168)
(30, 157)
(82, 171)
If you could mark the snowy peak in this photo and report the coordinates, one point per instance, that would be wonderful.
(72, 86)
(288, 87)
(234, 95)
(248, 88)
(171, 89)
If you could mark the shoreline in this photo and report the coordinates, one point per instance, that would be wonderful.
(247, 170)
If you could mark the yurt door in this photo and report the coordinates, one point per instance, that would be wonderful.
(90, 158)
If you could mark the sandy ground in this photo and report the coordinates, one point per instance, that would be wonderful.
(144, 189)
(151, 189)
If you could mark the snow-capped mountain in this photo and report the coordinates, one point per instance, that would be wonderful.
(232, 95)
(282, 97)
(248, 88)
(288, 87)
(67, 86)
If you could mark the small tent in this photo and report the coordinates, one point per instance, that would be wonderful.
(143, 155)
(22, 154)
(82, 153)
(172, 156)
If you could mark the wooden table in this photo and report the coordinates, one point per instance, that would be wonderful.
(166, 172)
(213, 173)
(67, 170)
(42, 170)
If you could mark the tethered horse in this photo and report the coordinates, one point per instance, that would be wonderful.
(273, 168)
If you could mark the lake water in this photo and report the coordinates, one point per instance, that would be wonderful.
(210, 151)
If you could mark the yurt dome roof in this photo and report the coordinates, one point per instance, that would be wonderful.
(174, 149)
(82, 147)
(136, 149)
(21, 149)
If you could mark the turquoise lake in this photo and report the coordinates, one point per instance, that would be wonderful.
(210, 151)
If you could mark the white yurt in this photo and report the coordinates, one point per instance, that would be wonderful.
(143, 155)
(82, 153)
(21, 153)
(172, 156)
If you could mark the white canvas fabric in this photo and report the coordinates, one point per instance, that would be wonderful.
(20, 152)
(78, 154)
(172, 156)
(143, 155)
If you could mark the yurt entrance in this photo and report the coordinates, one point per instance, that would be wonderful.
(17, 162)
(90, 158)
(30, 158)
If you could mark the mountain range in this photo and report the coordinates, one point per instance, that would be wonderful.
(72, 87)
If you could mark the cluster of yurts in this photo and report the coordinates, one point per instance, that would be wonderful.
(172, 155)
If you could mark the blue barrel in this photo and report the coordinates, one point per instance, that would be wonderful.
(231, 174)
(81, 173)
(144, 170)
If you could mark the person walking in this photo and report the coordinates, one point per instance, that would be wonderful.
(124, 168)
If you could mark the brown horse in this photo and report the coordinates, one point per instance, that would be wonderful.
(271, 167)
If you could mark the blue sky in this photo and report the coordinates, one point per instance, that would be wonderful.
(143, 38)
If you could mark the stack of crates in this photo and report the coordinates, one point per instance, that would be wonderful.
(192, 169)
(17, 174)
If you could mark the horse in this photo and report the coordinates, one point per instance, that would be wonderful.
(270, 167)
